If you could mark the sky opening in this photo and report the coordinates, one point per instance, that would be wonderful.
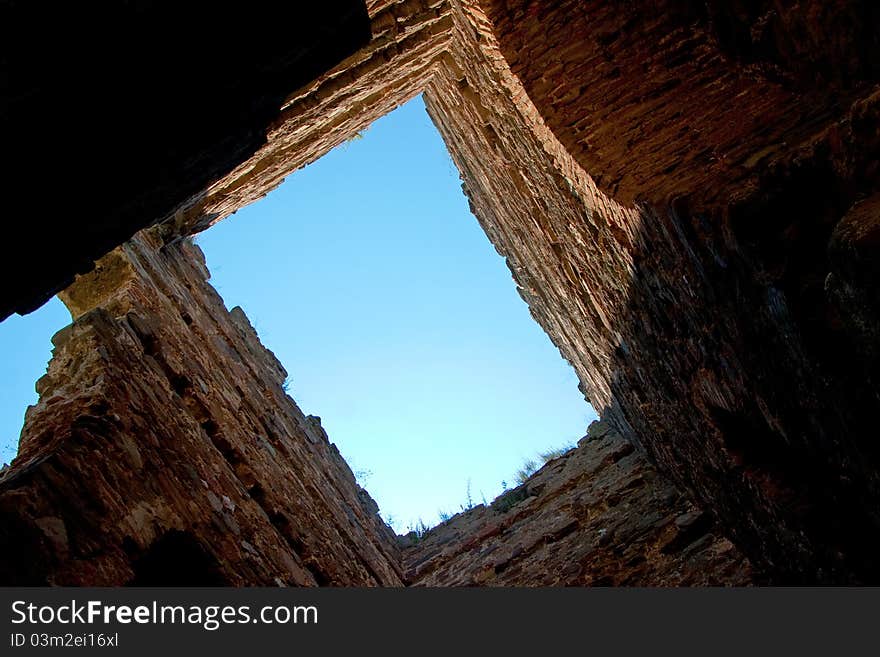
(25, 347)
(399, 324)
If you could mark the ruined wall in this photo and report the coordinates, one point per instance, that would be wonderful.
(656, 99)
(598, 515)
(723, 331)
(164, 450)
(686, 194)
(565, 242)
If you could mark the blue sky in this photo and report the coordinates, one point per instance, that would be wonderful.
(397, 320)
(25, 349)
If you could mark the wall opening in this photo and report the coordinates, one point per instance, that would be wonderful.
(400, 325)
(176, 559)
(371, 280)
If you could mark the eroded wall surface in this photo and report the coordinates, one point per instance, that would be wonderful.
(687, 197)
(599, 515)
(164, 450)
(713, 316)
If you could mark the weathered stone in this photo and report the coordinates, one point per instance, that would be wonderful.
(704, 327)
(571, 534)
(686, 195)
(165, 451)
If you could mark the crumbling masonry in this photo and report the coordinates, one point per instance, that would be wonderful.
(686, 194)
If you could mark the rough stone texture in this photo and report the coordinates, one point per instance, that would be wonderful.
(599, 515)
(662, 98)
(113, 113)
(716, 291)
(164, 450)
(719, 330)
(565, 242)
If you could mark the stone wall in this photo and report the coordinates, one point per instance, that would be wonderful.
(713, 327)
(598, 515)
(658, 99)
(164, 450)
(686, 195)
